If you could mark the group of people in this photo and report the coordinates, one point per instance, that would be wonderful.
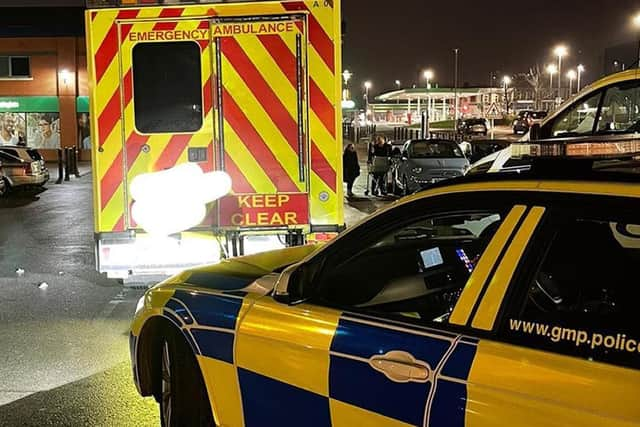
(379, 153)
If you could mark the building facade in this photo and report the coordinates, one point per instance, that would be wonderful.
(43, 83)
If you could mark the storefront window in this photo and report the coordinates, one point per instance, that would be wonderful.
(12, 129)
(84, 131)
(43, 130)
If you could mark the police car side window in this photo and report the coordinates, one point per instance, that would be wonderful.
(577, 120)
(620, 111)
(416, 271)
(583, 299)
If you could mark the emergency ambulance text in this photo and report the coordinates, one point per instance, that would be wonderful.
(253, 28)
(149, 36)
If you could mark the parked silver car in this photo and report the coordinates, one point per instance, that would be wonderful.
(23, 167)
(425, 162)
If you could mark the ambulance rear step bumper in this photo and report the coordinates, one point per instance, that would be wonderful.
(132, 258)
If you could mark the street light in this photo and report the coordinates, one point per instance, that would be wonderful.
(571, 75)
(399, 84)
(346, 75)
(581, 70)
(428, 75)
(551, 69)
(636, 24)
(506, 81)
(560, 52)
(367, 86)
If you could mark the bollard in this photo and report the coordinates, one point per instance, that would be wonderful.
(60, 167)
(67, 159)
(72, 159)
(76, 155)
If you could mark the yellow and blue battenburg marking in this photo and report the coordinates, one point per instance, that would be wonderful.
(353, 381)
(210, 321)
(354, 390)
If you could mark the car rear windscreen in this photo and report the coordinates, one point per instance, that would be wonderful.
(34, 154)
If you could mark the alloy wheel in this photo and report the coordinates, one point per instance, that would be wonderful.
(166, 384)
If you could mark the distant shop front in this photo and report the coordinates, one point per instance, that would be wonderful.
(34, 121)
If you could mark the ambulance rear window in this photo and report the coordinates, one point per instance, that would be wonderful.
(167, 87)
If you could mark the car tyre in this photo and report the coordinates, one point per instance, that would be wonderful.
(182, 394)
(7, 187)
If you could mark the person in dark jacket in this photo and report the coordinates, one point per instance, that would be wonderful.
(379, 154)
(351, 167)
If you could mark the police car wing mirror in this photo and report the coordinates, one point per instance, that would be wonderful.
(534, 132)
(289, 287)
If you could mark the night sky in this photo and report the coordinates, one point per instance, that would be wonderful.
(389, 40)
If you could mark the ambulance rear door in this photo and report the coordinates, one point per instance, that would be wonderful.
(262, 136)
(166, 93)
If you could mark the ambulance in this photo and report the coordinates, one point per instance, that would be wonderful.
(215, 129)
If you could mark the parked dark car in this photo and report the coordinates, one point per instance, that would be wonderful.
(425, 162)
(525, 119)
(469, 127)
(476, 149)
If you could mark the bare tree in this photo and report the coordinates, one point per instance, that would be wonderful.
(535, 79)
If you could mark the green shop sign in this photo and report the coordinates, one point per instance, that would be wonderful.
(29, 104)
(82, 104)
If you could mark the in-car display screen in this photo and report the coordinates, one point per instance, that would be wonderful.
(431, 258)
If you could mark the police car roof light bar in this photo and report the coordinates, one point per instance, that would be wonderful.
(577, 150)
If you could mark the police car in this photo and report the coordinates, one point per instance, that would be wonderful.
(608, 108)
(487, 300)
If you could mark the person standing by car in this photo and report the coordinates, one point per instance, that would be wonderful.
(351, 167)
(379, 160)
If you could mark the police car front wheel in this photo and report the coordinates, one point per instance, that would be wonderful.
(181, 392)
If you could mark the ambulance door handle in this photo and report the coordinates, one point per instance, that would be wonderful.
(401, 367)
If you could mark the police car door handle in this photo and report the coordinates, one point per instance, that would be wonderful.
(401, 367)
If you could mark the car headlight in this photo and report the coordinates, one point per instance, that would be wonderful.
(416, 170)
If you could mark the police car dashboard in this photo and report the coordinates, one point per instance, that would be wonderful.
(417, 272)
